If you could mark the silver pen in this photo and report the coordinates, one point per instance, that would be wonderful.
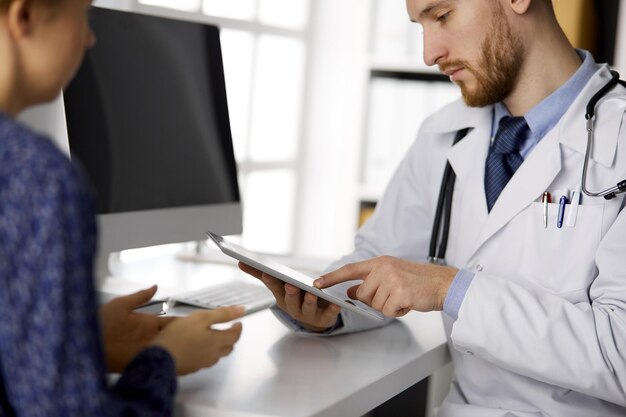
(546, 200)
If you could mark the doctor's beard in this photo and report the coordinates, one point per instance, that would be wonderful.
(498, 68)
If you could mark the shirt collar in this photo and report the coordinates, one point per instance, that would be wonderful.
(545, 115)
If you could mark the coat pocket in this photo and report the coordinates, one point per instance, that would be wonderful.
(561, 259)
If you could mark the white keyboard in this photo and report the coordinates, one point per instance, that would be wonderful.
(252, 296)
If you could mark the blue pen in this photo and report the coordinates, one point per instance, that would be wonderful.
(562, 204)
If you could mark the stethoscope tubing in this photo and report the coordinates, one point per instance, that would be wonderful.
(443, 211)
(612, 192)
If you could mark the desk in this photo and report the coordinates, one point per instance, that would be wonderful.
(273, 372)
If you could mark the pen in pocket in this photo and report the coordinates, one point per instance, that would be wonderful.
(545, 199)
(561, 213)
(573, 210)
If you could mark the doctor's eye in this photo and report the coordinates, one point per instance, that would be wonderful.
(444, 17)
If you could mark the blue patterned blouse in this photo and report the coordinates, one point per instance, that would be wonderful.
(51, 358)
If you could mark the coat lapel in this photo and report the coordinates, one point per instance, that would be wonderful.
(467, 158)
(528, 183)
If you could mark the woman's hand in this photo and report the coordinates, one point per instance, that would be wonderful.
(194, 344)
(125, 332)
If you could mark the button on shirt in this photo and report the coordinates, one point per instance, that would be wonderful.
(541, 119)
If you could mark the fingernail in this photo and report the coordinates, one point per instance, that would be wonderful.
(318, 283)
(239, 309)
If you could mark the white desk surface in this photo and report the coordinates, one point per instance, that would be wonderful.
(273, 372)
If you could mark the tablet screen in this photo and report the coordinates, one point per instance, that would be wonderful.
(286, 274)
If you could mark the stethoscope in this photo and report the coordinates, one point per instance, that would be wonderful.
(440, 231)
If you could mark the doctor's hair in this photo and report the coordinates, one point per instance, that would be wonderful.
(550, 4)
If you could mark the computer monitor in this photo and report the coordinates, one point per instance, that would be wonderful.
(147, 117)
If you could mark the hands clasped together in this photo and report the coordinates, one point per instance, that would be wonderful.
(190, 340)
(391, 285)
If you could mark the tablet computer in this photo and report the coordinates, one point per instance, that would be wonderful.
(288, 275)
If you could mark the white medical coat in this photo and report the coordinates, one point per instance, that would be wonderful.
(542, 328)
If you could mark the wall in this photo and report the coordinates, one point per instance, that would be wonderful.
(333, 121)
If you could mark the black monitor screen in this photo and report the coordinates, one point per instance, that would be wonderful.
(147, 114)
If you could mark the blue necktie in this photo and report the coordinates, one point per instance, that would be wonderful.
(504, 158)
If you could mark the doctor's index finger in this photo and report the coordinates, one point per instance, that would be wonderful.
(348, 272)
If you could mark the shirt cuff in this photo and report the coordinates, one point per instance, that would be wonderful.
(297, 327)
(456, 293)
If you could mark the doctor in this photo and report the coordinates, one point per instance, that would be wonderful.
(535, 313)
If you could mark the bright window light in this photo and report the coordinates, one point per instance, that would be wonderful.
(268, 210)
(233, 9)
(238, 56)
(277, 99)
(184, 5)
(291, 14)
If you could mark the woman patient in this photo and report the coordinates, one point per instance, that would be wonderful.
(55, 346)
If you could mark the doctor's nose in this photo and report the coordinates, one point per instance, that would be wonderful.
(434, 50)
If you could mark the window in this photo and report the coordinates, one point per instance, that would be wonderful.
(264, 50)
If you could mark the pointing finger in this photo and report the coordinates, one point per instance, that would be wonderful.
(357, 270)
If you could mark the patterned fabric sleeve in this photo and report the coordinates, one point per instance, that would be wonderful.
(51, 357)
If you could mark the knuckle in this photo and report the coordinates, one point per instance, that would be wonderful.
(362, 291)
(348, 268)
(389, 312)
(386, 260)
(388, 270)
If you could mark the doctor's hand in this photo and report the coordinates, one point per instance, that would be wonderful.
(394, 286)
(125, 332)
(313, 313)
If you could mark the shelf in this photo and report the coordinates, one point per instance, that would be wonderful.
(409, 75)
(371, 194)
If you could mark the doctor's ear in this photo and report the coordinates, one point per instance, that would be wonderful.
(521, 6)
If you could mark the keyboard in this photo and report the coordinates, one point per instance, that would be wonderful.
(253, 297)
